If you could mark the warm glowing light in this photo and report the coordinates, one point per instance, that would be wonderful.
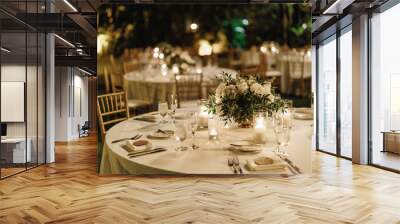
(309, 53)
(156, 49)
(263, 49)
(175, 69)
(161, 56)
(102, 43)
(274, 50)
(304, 26)
(205, 48)
(194, 26)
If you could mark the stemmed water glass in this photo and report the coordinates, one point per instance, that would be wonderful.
(180, 135)
(193, 125)
(282, 128)
(163, 110)
(173, 107)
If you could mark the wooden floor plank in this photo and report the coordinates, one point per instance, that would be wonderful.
(70, 191)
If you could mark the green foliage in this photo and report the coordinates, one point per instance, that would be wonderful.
(135, 26)
(237, 98)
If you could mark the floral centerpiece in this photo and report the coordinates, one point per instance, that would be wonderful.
(180, 59)
(237, 98)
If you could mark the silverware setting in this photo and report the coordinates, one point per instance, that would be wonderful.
(146, 152)
(234, 164)
(291, 165)
(124, 139)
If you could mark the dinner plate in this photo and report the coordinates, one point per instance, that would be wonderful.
(303, 116)
(245, 146)
(161, 134)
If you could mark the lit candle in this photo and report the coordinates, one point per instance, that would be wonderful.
(203, 117)
(260, 127)
(213, 131)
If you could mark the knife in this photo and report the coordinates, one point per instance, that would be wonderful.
(141, 153)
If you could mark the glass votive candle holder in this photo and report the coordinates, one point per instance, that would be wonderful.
(203, 113)
(213, 128)
(260, 119)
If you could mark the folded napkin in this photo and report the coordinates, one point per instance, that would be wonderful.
(276, 165)
(130, 147)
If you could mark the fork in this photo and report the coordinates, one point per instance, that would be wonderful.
(132, 138)
(237, 163)
(231, 165)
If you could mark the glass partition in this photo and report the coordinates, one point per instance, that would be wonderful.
(22, 77)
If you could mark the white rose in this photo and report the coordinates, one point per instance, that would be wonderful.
(230, 90)
(271, 97)
(267, 88)
(242, 87)
(257, 89)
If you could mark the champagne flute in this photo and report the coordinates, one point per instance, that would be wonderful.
(163, 110)
(173, 107)
(180, 135)
(193, 125)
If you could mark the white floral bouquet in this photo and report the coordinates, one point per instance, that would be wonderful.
(237, 98)
(181, 59)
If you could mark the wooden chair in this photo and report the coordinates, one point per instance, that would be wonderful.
(188, 88)
(134, 105)
(112, 108)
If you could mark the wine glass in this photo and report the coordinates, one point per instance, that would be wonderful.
(193, 125)
(173, 107)
(180, 135)
(282, 130)
(163, 110)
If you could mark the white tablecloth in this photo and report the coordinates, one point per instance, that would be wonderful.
(211, 158)
(151, 86)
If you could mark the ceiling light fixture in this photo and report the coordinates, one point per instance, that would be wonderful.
(5, 50)
(64, 40)
(337, 7)
(70, 5)
(84, 71)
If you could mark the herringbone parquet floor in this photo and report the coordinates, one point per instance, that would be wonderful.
(70, 191)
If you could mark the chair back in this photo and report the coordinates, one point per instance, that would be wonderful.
(188, 86)
(112, 108)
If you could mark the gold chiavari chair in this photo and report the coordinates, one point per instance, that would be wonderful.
(188, 88)
(112, 108)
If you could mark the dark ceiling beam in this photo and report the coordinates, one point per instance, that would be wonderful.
(77, 61)
(84, 24)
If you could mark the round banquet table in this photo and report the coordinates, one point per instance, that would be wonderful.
(149, 85)
(211, 158)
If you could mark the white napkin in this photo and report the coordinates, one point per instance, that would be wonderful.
(276, 165)
(132, 148)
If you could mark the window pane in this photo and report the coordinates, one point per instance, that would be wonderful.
(385, 83)
(346, 94)
(327, 96)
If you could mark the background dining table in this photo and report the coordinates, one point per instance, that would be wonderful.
(211, 158)
(150, 85)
